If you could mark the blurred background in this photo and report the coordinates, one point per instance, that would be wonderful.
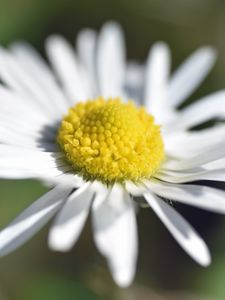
(164, 270)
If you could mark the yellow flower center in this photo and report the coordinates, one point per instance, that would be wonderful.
(111, 141)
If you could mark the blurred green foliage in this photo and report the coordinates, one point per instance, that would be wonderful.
(52, 287)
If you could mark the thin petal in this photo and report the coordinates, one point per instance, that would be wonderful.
(28, 157)
(32, 161)
(36, 67)
(157, 72)
(181, 230)
(14, 139)
(211, 154)
(111, 60)
(15, 174)
(21, 106)
(115, 233)
(134, 81)
(18, 162)
(189, 144)
(71, 219)
(31, 220)
(14, 75)
(62, 57)
(48, 176)
(215, 164)
(133, 189)
(191, 175)
(205, 109)
(201, 196)
(86, 47)
(190, 74)
(18, 125)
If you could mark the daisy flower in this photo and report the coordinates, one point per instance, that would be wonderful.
(105, 134)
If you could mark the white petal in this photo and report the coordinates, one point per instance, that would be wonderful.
(38, 69)
(20, 173)
(215, 165)
(9, 120)
(13, 74)
(191, 175)
(157, 72)
(67, 179)
(86, 48)
(31, 220)
(51, 177)
(18, 162)
(181, 230)
(14, 139)
(62, 57)
(188, 144)
(18, 125)
(14, 129)
(205, 109)
(133, 189)
(211, 154)
(134, 81)
(111, 60)
(190, 74)
(115, 233)
(27, 53)
(21, 106)
(86, 44)
(201, 196)
(32, 161)
(71, 219)
(34, 157)
(15, 174)
(16, 135)
(6, 151)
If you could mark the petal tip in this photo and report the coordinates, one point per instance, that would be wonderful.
(204, 257)
(123, 278)
(206, 260)
(57, 243)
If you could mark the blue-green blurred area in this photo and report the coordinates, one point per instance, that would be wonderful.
(164, 270)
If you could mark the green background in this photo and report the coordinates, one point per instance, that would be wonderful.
(164, 270)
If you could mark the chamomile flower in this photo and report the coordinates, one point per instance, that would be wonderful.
(102, 132)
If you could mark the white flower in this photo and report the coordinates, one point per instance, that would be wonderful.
(33, 105)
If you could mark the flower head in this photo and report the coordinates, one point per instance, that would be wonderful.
(103, 132)
(111, 141)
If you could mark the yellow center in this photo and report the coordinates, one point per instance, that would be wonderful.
(111, 141)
